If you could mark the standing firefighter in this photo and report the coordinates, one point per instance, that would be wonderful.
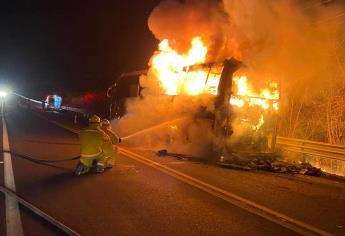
(110, 151)
(91, 147)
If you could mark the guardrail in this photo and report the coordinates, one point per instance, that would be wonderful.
(30, 102)
(73, 109)
(319, 149)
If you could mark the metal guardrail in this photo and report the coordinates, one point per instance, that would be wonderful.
(28, 99)
(73, 109)
(320, 149)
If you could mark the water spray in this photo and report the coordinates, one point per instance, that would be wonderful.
(152, 128)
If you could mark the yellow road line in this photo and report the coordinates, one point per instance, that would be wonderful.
(276, 217)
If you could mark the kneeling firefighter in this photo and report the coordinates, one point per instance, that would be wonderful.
(92, 139)
(110, 151)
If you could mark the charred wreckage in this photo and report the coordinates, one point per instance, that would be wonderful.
(255, 148)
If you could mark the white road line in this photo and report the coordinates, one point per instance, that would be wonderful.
(13, 221)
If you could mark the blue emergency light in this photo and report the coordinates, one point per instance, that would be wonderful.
(57, 102)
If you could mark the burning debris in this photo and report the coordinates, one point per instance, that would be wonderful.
(178, 156)
(251, 161)
(271, 163)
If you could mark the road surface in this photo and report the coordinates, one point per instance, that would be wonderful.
(134, 198)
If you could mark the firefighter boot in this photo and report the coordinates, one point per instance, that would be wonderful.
(99, 167)
(81, 169)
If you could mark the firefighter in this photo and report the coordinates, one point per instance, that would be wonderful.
(91, 147)
(110, 151)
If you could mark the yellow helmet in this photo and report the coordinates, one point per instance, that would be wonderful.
(105, 122)
(94, 119)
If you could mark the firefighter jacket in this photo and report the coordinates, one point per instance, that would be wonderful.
(92, 140)
(110, 151)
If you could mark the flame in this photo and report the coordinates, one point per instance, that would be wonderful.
(169, 67)
(266, 98)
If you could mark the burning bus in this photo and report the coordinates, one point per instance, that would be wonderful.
(243, 117)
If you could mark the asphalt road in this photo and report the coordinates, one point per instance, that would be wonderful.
(136, 199)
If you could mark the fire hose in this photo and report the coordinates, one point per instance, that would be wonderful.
(41, 161)
(28, 205)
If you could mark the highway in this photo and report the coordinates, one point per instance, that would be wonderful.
(138, 197)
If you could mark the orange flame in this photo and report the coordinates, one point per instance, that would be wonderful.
(266, 98)
(168, 66)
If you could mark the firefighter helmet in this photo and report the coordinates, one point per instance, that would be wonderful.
(94, 119)
(105, 122)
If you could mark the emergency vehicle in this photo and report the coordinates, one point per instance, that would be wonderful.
(53, 102)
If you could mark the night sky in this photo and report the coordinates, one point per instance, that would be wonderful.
(70, 46)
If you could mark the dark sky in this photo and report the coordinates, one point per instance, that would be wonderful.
(69, 45)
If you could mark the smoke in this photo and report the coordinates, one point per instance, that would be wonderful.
(180, 21)
(298, 45)
(176, 21)
(166, 122)
(292, 43)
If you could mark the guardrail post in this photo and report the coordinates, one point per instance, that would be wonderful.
(75, 118)
(304, 158)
